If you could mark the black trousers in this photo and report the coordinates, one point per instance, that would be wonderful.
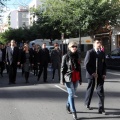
(58, 73)
(43, 68)
(2, 65)
(99, 89)
(12, 72)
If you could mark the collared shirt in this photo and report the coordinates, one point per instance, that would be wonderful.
(12, 47)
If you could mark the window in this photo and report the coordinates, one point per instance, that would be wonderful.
(24, 15)
(115, 53)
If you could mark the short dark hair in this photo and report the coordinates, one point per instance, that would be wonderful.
(33, 44)
(97, 39)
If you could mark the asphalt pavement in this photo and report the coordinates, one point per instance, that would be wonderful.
(47, 101)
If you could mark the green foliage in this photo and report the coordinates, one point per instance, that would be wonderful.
(67, 16)
(89, 15)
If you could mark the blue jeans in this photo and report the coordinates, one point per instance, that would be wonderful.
(71, 89)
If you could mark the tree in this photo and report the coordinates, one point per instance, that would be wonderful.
(89, 15)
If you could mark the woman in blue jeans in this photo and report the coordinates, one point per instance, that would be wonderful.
(71, 75)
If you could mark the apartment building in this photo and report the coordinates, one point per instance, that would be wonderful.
(33, 5)
(19, 18)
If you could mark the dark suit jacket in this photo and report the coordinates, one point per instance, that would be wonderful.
(3, 55)
(23, 57)
(90, 63)
(44, 56)
(12, 57)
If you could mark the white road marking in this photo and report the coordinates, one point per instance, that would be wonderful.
(63, 89)
(113, 73)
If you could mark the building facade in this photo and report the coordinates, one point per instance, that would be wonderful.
(115, 43)
(32, 6)
(19, 18)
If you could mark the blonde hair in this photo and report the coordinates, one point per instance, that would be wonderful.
(72, 44)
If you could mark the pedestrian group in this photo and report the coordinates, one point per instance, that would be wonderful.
(69, 68)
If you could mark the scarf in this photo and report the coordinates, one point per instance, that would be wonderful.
(74, 59)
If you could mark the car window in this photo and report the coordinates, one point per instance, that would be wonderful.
(115, 53)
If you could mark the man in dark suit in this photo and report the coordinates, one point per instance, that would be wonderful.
(32, 50)
(43, 61)
(95, 73)
(12, 59)
(2, 59)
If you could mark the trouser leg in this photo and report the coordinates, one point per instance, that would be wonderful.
(53, 73)
(100, 93)
(89, 91)
(40, 72)
(45, 74)
(71, 88)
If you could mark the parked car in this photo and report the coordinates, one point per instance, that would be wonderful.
(113, 59)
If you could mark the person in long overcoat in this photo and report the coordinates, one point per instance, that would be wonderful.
(56, 56)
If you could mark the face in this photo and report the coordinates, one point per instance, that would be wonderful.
(44, 46)
(12, 43)
(26, 47)
(97, 44)
(57, 46)
(73, 48)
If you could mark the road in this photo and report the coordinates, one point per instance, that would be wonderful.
(47, 101)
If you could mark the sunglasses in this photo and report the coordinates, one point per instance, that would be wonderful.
(74, 46)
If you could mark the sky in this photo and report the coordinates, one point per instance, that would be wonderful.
(12, 5)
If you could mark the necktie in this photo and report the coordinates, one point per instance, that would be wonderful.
(98, 52)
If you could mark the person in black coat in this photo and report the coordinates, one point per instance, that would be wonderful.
(32, 51)
(71, 75)
(56, 56)
(26, 61)
(12, 59)
(95, 73)
(44, 59)
(36, 59)
(2, 59)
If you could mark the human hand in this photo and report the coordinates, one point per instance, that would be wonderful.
(95, 75)
(104, 76)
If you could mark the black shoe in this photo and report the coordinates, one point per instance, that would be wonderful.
(68, 109)
(45, 81)
(102, 112)
(74, 116)
(88, 107)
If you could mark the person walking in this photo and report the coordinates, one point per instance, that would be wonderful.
(71, 75)
(95, 73)
(56, 57)
(2, 60)
(44, 59)
(36, 59)
(12, 59)
(26, 61)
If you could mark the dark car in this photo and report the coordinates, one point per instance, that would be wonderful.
(113, 59)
